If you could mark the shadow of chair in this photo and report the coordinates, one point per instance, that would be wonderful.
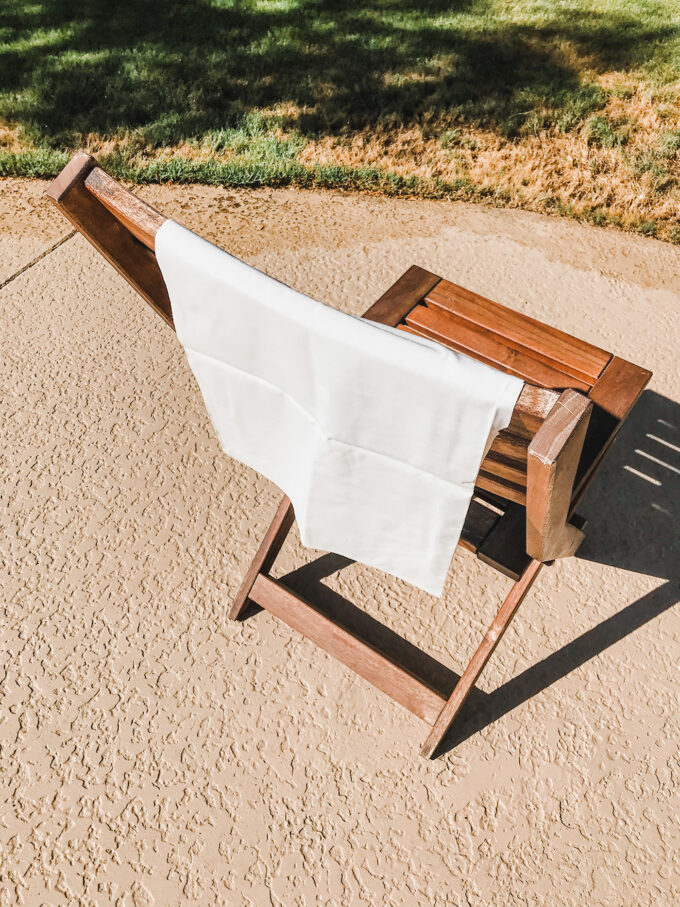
(633, 513)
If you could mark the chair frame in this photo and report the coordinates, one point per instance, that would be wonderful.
(565, 424)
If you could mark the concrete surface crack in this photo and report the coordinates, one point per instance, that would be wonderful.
(38, 258)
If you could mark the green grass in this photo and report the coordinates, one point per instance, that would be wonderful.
(233, 91)
(46, 164)
(604, 133)
(196, 70)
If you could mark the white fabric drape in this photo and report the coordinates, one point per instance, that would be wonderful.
(375, 435)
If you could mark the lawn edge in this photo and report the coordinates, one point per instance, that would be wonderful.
(46, 164)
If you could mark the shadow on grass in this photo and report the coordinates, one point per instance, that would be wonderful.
(181, 69)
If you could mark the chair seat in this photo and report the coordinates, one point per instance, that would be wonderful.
(507, 339)
(550, 361)
(514, 343)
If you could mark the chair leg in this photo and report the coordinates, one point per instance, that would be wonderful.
(486, 649)
(266, 555)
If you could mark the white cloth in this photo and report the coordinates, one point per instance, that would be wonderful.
(375, 435)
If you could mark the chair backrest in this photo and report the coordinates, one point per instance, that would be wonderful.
(123, 228)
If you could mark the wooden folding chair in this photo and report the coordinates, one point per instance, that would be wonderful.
(522, 516)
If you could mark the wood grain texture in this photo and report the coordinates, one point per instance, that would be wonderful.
(140, 219)
(562, 351)
(553, 459)
(504, 488)
(532, 408)
(506, 466)
(402, 296)
(488, 347)
(74, 173)
(478, 662)
(347, 648)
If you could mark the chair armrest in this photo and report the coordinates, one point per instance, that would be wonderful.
(552, 461)
(119, 225)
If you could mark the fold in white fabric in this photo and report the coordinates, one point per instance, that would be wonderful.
(375, 435)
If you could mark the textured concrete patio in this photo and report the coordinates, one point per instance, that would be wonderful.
(153, 753)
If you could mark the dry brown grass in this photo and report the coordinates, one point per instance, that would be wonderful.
(634, 183)
(618, 168)
(10, 139)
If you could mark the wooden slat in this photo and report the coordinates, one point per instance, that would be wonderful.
(402, 296)
(619, 387)
(505, 468)
(556, 348)
(484, 652)
(140, 219)
(510, 447)
(266, 554)
(488, 347)
(509, 491)
(131, 258)
(353, 652)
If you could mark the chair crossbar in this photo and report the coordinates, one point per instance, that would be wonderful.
(378, 668)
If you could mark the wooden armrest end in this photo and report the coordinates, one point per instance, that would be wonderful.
(553, 459)
(117, 223)
(73, 173)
